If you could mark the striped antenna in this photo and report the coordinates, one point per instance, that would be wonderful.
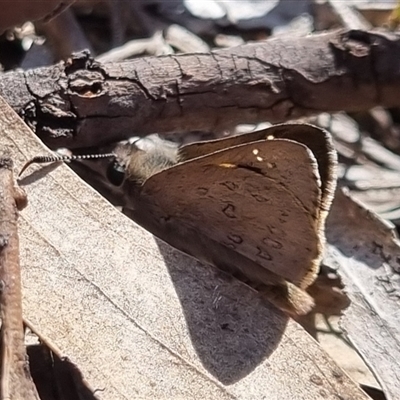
(58, 158)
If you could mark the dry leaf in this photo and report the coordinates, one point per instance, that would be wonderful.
(140, 318)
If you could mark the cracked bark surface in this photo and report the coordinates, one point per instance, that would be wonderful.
(83, 103)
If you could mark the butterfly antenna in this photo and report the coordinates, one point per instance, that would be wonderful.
(58, 158)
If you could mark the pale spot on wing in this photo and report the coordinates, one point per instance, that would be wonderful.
(228, 165)
(270, 137)
(255, 152)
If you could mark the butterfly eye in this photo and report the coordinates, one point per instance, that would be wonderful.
(116, 173)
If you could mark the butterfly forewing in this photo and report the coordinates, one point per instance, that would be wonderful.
(260, 199)
(316, 139)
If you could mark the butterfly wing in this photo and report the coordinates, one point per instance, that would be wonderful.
(316, 139)
(260, 199)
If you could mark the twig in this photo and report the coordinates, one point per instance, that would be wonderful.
(16, 381)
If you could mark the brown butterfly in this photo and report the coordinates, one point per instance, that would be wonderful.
(253, 205)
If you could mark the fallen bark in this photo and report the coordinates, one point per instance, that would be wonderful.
(84, 103)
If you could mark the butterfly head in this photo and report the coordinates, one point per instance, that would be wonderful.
(139, 158)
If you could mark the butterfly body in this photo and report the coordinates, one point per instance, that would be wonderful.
(250, 205)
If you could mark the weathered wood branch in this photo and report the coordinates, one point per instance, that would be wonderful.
(16, 381)
(84, 103)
